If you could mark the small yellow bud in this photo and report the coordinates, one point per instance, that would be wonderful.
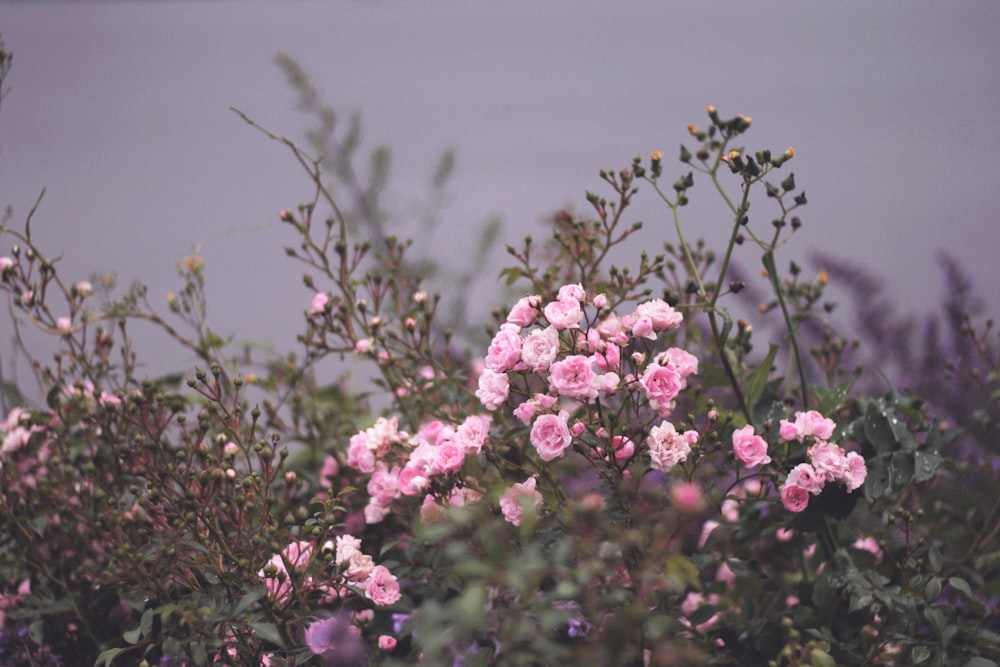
(693, 130)
(790, 152)
(764, 273)
(171, 299)
(733, 155)
(710, 109)
(823, 276)
(657, 155)
(250, 377)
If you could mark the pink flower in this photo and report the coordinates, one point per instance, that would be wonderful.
(386, 642)
(571, 292)
(828, 460)
(505, 349)
(687, 497)
(788, 430)
(856, 472)
(473, 433)
(564, 314)
(384, 484)
(519, 497)
(653, 316)
(526, 411)
(450, 458)
(327, 472)
(814, 424)
(749, 448)
(600, 301)
(609, 358)
(336, 640)
(359, 455)
(493, 389)
(375, 511)
(525, 311)
(574, 377)
(64, 324)
(685, 362)
(6, 264)
(794, 497)
(540, 348)
(623, 448)
(805, 477)
(662, 385)
(382, 588)
(550, 435)
(319, 302)
(667, 447)
(413, 479)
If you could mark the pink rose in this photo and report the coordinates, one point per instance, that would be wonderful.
(573, 377)
(749, 448)
(319, 302)
(828, 460)
(805, 477)
(450, 458)
(550, 435)
(525, 311)
(540, 348)
(685, 362)
(376, 512)
(794, 497)
(658, 315)
(564, 314)
(505, 349)
(814, 424)
(788, 430)
(473, 433)
(384, 484)
(856, 472)
(386, 642)
(493, 389)
(687, 497)
(412, 480)
(662, 385)
(525, 412)
(382, 588)
(667, 447)
(518, 498)
(571, 292)
(609, 358)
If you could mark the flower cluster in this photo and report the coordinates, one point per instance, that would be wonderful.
(827, 462)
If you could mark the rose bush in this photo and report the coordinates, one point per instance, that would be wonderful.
(614, 474)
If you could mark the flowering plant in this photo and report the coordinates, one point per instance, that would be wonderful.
(612, 476)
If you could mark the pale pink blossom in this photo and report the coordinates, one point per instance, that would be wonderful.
(794, 497)
(386, 642)
(600, 301)
(687, 497)
(347, 546)
(64, 324)
(505, 349)
(653, 316)
(526, 411)
(810, 424)
(449, 459)
(413, 479)
(828, 460)
(667, 447)
(609, 358)
(384, 484)
(540, 348)
(574, 377)
(376, 512)
(856, 472)
(805, 476)
(564, 314)
(382, 588)
(662, 385)
(319, 302)
(525, 311)
(359, 455)
(623, 448)
(473, 433)
(550, 435)
(685, 362)
(364, 345)
(750, 448)
(493, 389)
(6, 264)
(518, 498)
(571, 292)
(328, 472)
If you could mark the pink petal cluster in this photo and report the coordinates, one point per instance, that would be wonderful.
(550, 435)
(667, 447)
(827, 461)
(750, 448)
(518, 498)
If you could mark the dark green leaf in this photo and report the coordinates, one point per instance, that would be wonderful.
(933, 589)
(934, 558)
(920, 654)
(877, 481)
(878, 430)
(901, 469)
(757, 381)
(962, 586)
(108, 656)
(979, 662)
(926, 465)
(268, 632)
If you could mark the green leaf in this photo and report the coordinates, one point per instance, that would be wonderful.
(962, 586)
(926, 465)
(901, 469)
(877, 481)
(268, 632)
(247, 600)
(919, 654)
(821, 658)
(988, 562)
(934, 558)
(757, 381)
(512, 273)
(878, 430)
(933, 589)
(106, 657)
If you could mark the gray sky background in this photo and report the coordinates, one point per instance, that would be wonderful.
(121, 110)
